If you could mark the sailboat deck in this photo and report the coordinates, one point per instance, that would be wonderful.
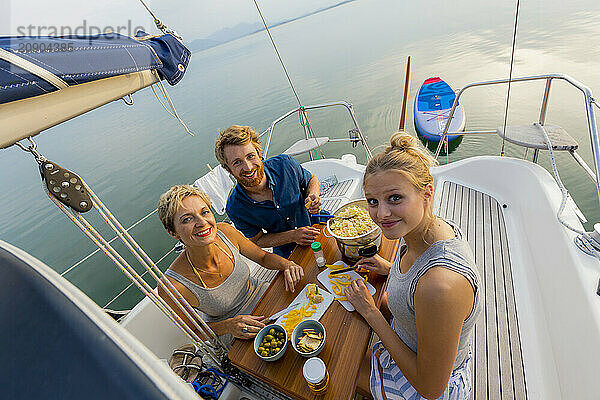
(498, 371)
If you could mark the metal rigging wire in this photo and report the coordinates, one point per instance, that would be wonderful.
(159, 23)
(278, 55)
(304, 122)
(512, 58)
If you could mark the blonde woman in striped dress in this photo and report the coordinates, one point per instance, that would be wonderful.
(432, 298)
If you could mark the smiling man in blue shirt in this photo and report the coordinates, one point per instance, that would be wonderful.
(272, 201)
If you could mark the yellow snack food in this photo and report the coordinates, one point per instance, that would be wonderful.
(311, 290)
(294, 317)
(339, 283)
(353, 221)
(310, 341)
(346, 277)
(335, 267)
(307, 203)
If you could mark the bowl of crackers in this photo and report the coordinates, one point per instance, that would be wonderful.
(308, 338)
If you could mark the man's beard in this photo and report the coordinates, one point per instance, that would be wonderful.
(248, 183)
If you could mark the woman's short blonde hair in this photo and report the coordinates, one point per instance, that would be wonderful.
(171, 200)
(235, 135)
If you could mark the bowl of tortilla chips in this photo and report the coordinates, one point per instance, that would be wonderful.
(308, 338)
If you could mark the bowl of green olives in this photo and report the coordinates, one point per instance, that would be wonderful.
(270, 343)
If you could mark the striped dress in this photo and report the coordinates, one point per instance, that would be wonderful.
(386, 377)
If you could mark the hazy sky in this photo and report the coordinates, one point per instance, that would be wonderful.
(191, 18)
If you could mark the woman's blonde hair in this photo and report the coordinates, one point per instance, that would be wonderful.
(171, 200)
(407, 155)
(235, 135)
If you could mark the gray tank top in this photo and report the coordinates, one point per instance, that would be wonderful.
(454, 254)
(238, 294)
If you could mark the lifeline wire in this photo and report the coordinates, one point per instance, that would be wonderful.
(110, 241)
(512, 58)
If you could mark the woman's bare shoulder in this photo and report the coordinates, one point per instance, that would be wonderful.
(232, 234)
(225, 227)
(441, 280)
(443, 287)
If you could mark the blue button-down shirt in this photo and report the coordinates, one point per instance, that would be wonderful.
(288, 181)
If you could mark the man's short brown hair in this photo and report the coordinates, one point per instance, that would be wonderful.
(235, 135)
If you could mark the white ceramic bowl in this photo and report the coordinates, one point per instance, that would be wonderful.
(297, 335)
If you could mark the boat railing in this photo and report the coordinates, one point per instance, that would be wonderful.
(591, 119)
(355, 134)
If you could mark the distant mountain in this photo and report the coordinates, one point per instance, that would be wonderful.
(236, 32)
(244, 29)
(201, 44)
(225, 35)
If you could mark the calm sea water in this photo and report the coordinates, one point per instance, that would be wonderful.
(357, 52)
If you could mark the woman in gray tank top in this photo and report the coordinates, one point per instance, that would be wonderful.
(432, 292)
(210, 273)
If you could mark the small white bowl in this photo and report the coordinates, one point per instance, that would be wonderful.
(297, 335)
(261, 335)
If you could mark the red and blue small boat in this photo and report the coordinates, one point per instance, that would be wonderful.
(432, 110)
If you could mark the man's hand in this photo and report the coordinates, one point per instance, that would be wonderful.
(305, 235)
(313, 203)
